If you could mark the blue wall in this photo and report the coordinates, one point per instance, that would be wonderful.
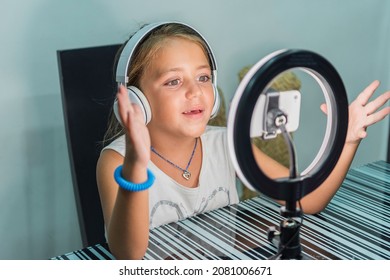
(38, 217)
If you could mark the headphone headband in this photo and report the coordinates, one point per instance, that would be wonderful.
(127, 52)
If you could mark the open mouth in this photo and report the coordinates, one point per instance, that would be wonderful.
(193, 112)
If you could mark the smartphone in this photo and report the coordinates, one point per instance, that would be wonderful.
(287, 102)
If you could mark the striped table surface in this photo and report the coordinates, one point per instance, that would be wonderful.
(355, 225)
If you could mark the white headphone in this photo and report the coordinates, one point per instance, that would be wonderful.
(136, 96)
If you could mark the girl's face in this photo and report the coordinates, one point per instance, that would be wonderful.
(178, 86)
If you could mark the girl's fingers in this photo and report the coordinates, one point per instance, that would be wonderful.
(139, 115)
(365, 95)
(378, 116)
(124, 104)
(362, 134)
(324, 108)
(377, 103)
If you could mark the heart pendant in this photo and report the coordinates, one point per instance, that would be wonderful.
(186, 175)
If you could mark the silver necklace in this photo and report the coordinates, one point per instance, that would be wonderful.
(186, 174)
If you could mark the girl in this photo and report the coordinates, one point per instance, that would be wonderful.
(186, 163)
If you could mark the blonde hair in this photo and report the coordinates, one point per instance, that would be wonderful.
(143, 55)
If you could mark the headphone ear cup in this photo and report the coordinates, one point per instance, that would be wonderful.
(136, 96)
(217, 103)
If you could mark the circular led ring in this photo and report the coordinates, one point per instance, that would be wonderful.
(254, 83)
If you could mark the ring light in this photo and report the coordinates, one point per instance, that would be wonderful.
(256, 86)
(256, 82)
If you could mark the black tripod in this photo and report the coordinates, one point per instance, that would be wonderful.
(287, 239)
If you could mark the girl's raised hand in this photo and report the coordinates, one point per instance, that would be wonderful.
(363, 113)
(137, 134)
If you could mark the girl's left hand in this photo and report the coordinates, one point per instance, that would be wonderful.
(363, 113)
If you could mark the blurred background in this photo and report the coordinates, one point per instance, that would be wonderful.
(38, 216)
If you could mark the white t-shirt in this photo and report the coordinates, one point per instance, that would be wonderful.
(170, 201)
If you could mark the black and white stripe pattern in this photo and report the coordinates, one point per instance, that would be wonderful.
(355, 225)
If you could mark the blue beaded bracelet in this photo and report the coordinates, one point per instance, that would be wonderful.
(129, 186)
